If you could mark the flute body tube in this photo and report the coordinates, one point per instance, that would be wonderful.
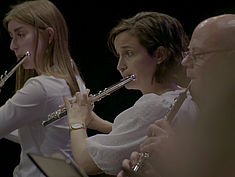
(6, 75)
(59, 114)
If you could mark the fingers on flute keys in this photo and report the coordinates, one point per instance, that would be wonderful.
(127, 166)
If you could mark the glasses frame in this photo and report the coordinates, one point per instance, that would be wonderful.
(193, 56)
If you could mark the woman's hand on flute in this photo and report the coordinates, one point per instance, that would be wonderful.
(80, 109)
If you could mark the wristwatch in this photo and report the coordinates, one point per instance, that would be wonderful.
(76, 126)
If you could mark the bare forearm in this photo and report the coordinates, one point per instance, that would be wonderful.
(80, 153)
(79, 116)
(100, 124)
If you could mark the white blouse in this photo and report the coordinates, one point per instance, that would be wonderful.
(129, 129)
(26, 110)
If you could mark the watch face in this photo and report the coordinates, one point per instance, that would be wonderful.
(77, 126)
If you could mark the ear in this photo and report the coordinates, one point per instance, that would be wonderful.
(50, 31)
(160, 54)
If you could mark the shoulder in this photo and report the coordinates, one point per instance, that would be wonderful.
(152, 100)
(155, 105)
(186, 113)
(49, 81)
(44, 79)
(48, 84)
(147, 109)
(189, 105)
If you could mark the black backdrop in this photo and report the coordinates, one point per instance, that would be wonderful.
(89, 23)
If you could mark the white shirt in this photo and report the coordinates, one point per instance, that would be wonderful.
(26, 110)
(129, 129)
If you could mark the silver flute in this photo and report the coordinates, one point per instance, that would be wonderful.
(169, 116)
(6, 75)
(59, 114)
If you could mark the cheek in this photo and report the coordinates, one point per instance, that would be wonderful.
(41, 47)
(147, 67)
(199, 72)
(29, 43)
(144, 72)
(195, 72)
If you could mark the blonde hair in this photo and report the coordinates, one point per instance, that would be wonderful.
(43, 14)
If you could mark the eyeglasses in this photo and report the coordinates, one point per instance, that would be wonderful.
(194, 56)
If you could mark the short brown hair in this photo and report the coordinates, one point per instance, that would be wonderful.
(155, 29)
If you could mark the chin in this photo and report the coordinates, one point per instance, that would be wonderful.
(131, 87)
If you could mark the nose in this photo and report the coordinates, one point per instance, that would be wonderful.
(13, 45)
(187, 61)
(121, 66)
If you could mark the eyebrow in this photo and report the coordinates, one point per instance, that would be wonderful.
(126, 46)
(17, 29)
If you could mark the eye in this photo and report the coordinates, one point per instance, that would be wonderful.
(128, 54)
(20, 35)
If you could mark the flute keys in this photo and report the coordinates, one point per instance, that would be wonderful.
(96, 97)
(142, 157)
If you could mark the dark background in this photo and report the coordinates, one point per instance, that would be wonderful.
(89, 23)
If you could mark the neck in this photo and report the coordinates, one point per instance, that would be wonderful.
(160, 88)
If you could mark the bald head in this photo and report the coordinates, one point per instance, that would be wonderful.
(215, 33)
(212, 42)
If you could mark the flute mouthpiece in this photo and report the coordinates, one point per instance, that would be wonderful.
(133, 76)
(27, 53)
